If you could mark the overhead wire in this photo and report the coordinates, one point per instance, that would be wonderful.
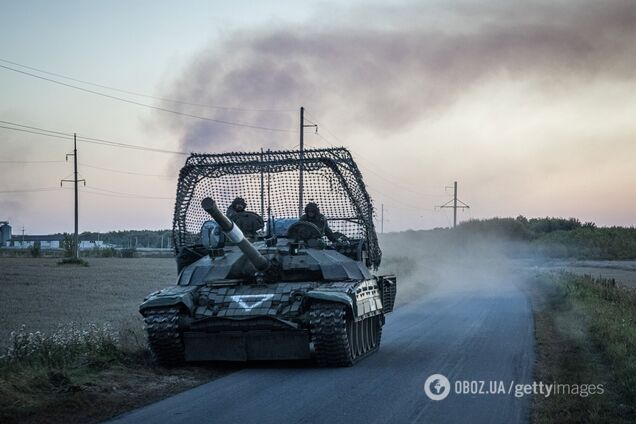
(122, 194)
(161, 99)
(125, 172)
(91, 140)
(29, 162)
(34, 132)
(159, 108)
(364, 165)
(404, 204)
(88, 189)
(31, 190)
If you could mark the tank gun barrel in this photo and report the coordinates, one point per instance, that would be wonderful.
(234, 233)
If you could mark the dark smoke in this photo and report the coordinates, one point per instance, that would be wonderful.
(385, 69)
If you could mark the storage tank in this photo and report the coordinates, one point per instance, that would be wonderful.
(5, 233)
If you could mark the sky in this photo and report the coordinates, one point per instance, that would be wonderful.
(529, 107)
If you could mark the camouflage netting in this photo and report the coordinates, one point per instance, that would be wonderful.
(270, 179)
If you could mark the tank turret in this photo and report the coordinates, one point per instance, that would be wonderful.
(235, 235)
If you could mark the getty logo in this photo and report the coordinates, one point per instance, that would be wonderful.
(437, 387)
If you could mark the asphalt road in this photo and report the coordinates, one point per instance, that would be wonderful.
(464, 336)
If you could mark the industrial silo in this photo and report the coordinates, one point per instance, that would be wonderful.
(5, 233)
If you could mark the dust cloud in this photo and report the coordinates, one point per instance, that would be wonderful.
(437, 262)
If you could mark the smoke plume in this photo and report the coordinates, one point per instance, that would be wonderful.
(384, 69)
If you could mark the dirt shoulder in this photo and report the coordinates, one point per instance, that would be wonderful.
(90, 393)
(586, 341)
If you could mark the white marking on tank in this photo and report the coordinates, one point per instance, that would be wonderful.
(258, 300)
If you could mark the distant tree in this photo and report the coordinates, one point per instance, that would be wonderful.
(36, 250)
(69, 246)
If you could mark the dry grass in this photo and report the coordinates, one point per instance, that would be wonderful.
(585, 335)
(79, 354)
(39, 294)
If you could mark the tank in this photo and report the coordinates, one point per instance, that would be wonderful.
(292, 290)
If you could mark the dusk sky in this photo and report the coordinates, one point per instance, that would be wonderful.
(530, 107)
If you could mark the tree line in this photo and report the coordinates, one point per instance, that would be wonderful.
(548, 237)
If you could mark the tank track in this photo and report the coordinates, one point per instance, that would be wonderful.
(338, 340)
(162, 328)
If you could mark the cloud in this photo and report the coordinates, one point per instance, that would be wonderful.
(386, 69)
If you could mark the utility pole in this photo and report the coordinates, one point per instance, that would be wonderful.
(75, 181)
(455, 205)
(382, 220)
(262, 186)
(302, 158)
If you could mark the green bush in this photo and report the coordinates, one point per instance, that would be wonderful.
(35, 250)
(69, 246)
(73, 261)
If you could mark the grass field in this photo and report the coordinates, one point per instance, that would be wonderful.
(77, 370)
(624, 272)
(41, 295)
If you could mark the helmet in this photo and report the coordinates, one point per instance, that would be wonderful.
(238, 201)
(311, 206)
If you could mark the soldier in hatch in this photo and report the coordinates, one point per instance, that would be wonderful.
(248, 222)
(313, 215)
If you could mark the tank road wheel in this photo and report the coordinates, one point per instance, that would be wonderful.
(377, 335)
(162, 327)
(339, 341)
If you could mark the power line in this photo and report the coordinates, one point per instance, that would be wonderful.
(374, 189)
(129, 146)
(88, 190)
(126, 172)
(403, 187)
(31, 190)
(70, 135)
(34, 132)
(368, 168)
(162, 99)
(92, 140)
(96, 193)
(113, 193)
(28, 162)
(162, 109)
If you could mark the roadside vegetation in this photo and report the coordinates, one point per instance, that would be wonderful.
(84, 375)
(536, 237)
(586, 334)
(72, 342)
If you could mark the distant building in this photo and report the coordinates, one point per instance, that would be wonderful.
(51, 242)
(91, 244)
(44, 241)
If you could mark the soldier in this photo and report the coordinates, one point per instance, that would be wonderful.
(248, 222)
(237, 205)
(313, 215)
